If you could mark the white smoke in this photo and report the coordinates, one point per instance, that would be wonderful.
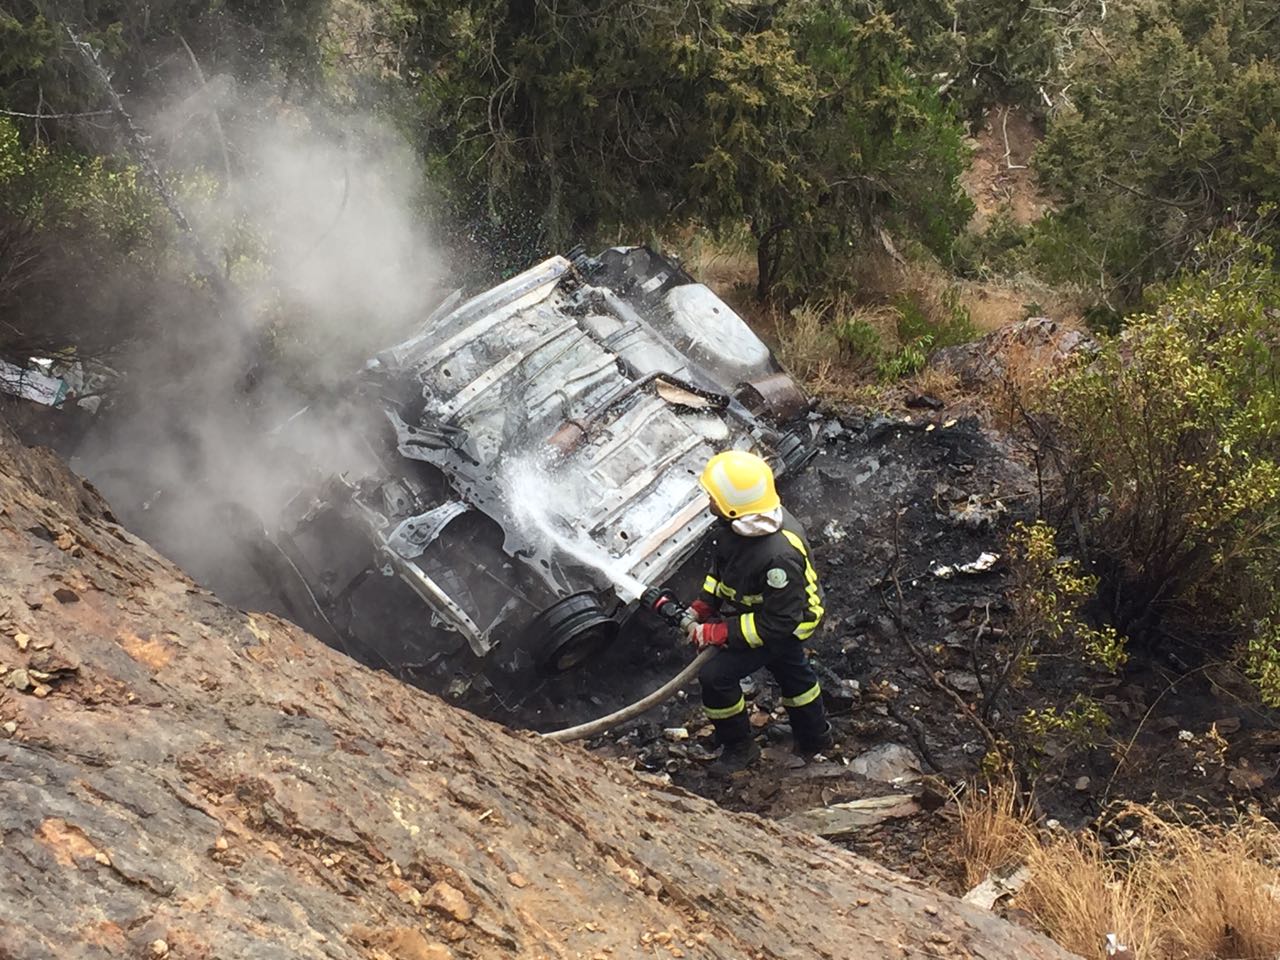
(320, 232)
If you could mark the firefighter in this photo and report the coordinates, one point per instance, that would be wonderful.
(760, 602)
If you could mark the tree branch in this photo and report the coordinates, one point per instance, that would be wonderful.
(56, 116)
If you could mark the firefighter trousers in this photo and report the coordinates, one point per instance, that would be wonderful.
(727, 708)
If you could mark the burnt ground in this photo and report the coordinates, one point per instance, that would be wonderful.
(896, 498)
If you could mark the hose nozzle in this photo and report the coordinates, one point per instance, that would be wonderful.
(665, 604)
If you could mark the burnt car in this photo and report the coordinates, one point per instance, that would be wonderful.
(535, 463)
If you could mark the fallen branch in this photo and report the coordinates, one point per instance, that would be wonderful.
(213, 111)
(1008, 158)
(916, 729)
(973, 652)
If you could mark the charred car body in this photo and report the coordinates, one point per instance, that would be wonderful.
(537, 461)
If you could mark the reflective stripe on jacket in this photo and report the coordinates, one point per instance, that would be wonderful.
(766, 588)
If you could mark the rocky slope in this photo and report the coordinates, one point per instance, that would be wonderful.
(181, 779)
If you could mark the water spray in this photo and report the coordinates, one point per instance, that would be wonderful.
(528, 488)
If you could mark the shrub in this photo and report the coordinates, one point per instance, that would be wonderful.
(1047, 600)
(1173, 459)
(925, 320)
(998, 250)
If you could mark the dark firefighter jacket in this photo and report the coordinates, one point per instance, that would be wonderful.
(765, 587)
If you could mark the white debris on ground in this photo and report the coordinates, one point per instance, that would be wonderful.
(984, 563)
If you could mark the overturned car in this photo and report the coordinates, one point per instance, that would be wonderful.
(535, 465)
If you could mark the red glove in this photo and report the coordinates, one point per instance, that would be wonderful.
(702, 611)
(709, 634)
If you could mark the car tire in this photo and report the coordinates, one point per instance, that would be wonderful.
(571, 631)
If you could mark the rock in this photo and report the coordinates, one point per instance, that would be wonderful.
(159, 948)
(1082, 784)
(10, 727)
(847, 819)
(840, 694)
(1244, 778)
(400, 943)
(20, 680)
(67, 595)
(155, 766)
(963, 681)
(888, 763)
(517, 880)
(1037, 340)
(676, 734)
(1227, 725)
(450, 901)
(22, 640)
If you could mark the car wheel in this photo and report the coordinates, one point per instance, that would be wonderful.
(571, 631)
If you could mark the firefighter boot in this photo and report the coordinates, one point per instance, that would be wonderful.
(736, 756)
(811, 729)
(739, 749)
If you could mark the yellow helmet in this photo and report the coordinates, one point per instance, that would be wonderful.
(739, 483)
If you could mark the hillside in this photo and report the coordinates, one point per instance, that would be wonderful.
(183, 779)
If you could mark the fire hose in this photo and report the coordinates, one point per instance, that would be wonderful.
(675, 613)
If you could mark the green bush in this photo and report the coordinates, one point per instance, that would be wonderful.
(999, 250)
(858, 339)
(1173, 458)
(1168, 133)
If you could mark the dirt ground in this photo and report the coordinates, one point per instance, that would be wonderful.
(999, 177)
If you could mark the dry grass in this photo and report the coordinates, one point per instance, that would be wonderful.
(935, 382)
(995, 831)
(1178, 891)
(809, 343)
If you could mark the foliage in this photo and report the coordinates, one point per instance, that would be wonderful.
(150, 45)
(799, 119)
(998, 250)
(892, 342)
(1169, 133)
(1079, 725)
(1173, 440)
(985, 52)
(1047, 597)
(63, 215)
(924, 322)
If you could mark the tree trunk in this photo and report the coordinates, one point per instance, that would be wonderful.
(768, 252)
